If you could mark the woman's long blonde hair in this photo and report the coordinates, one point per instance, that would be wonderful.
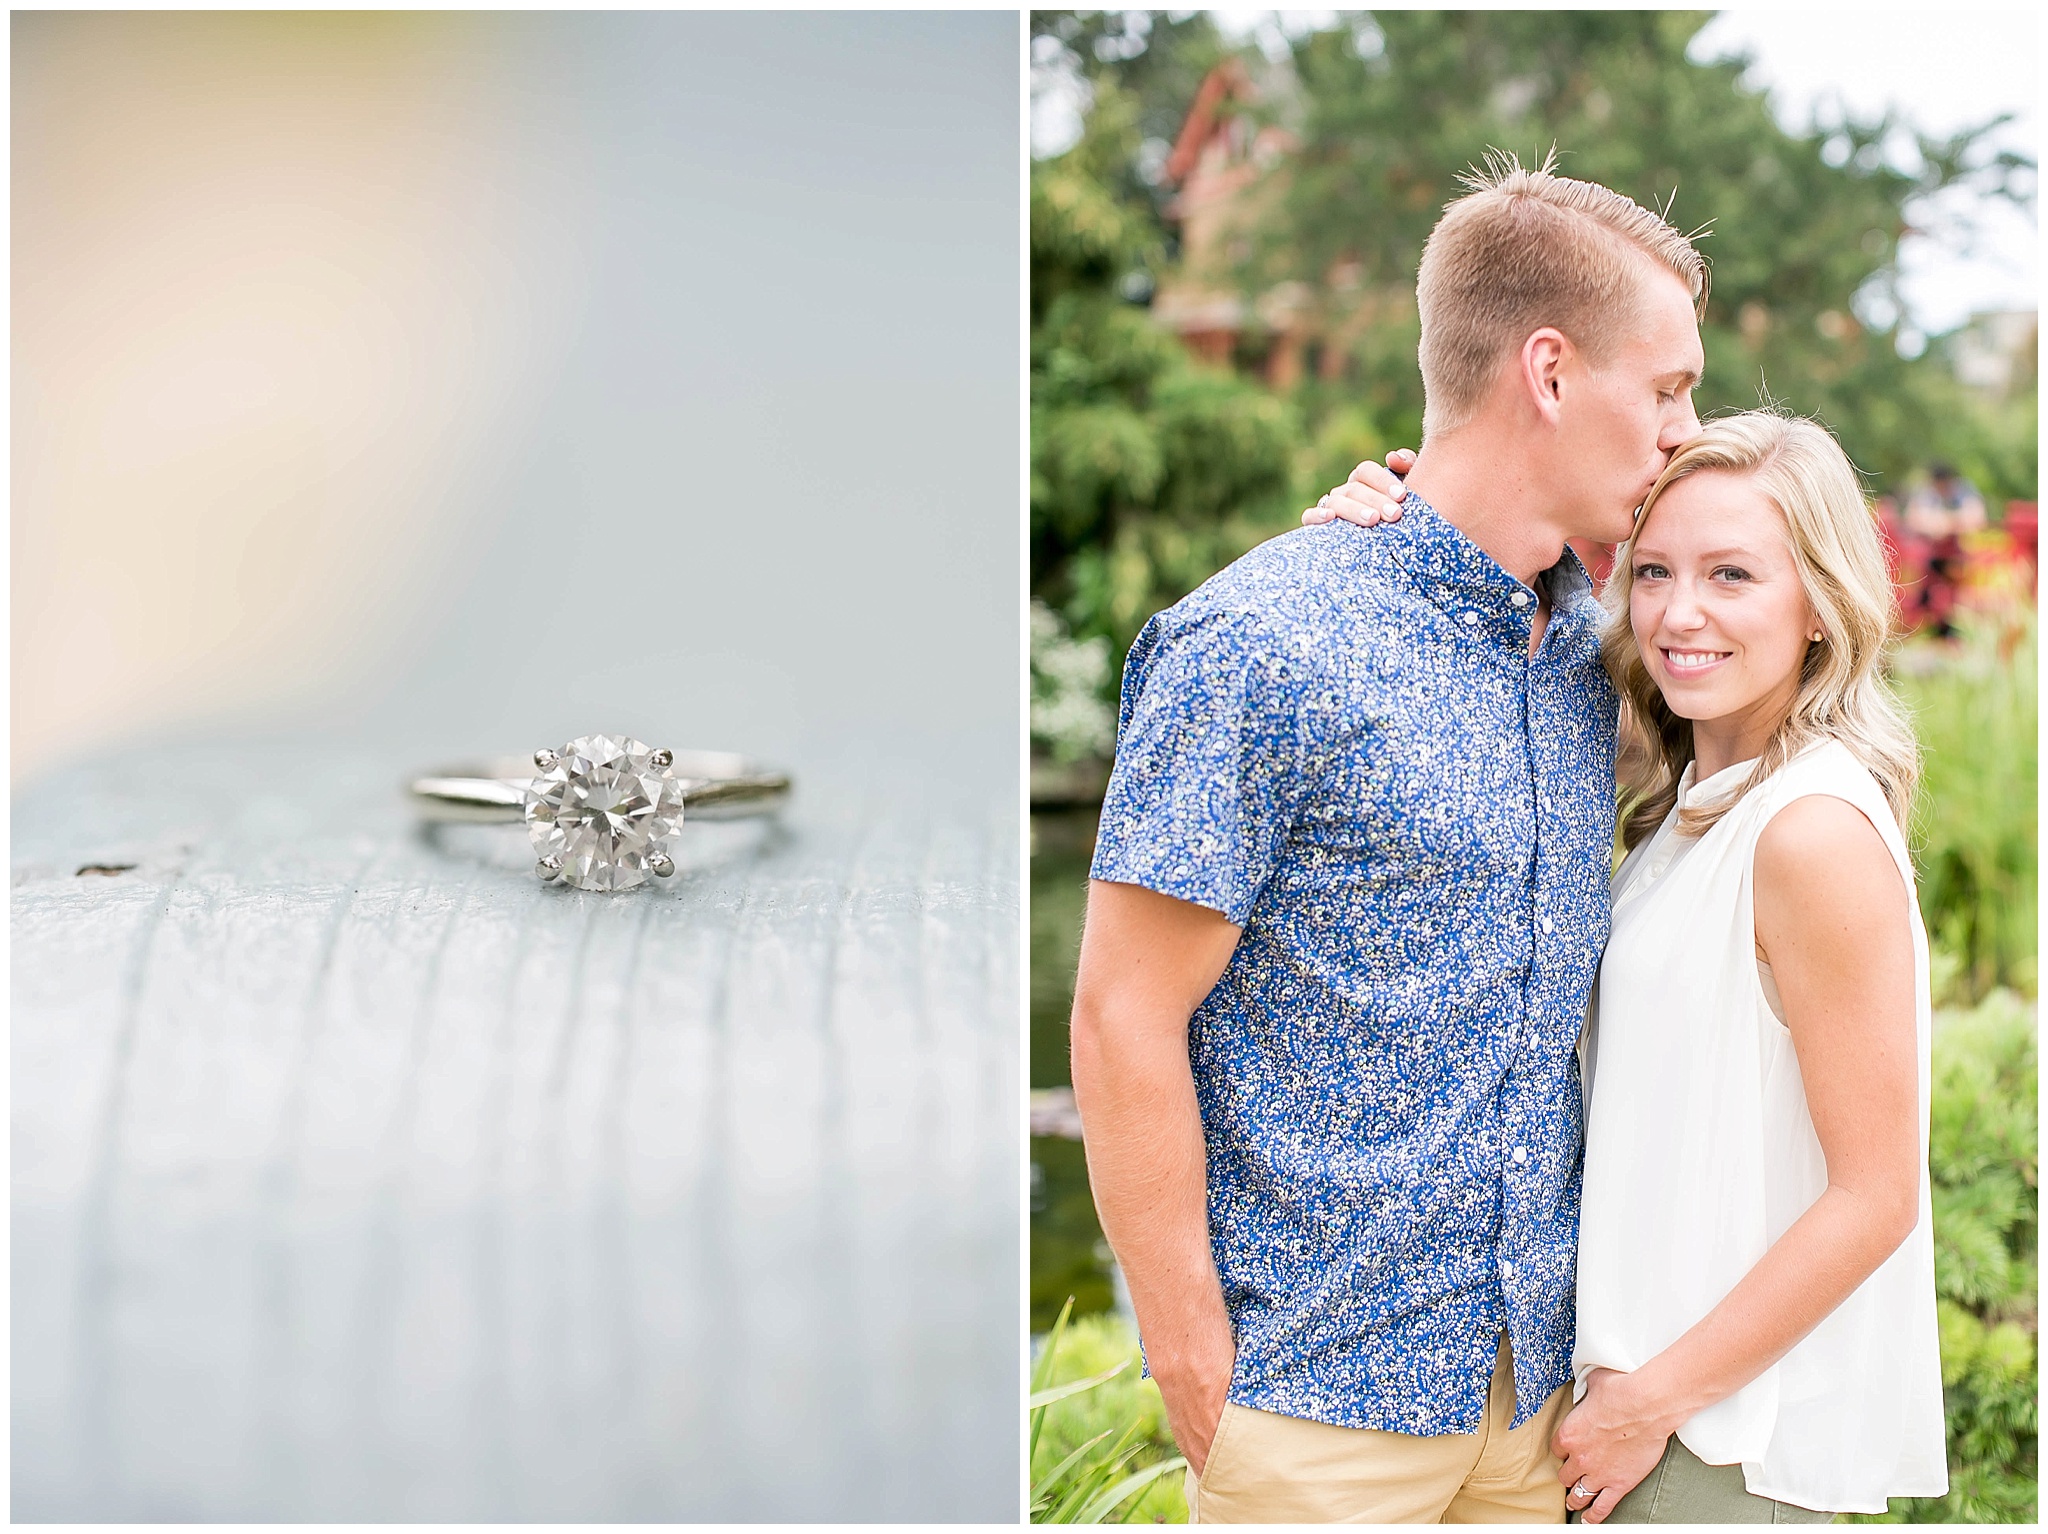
(1842, 692)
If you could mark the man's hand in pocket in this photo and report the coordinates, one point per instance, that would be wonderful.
(1194, 1400)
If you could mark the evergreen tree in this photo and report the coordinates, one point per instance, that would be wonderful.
(1148, 472)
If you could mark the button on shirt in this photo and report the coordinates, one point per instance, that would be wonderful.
(1337, 742)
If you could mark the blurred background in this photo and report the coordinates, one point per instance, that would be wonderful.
(394, 387)
(1227, 209)
(394, 375)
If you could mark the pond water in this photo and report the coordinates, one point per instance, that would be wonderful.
(1068, 1256)
(1062, 842)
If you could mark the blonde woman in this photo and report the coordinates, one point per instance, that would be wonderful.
(1756, 1323)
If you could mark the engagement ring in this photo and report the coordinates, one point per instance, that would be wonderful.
(605, 810)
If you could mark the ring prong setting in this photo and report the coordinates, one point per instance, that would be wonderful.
(663, 758)
(550, 869)
(545, 759)
(661, 865)
(603, 812)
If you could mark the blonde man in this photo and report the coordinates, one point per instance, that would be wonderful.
(1348, 897)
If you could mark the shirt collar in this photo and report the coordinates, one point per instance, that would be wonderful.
(1469, 585)
(1663, 848)
(1693, 795)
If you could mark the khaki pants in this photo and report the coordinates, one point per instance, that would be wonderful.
(1266, 1468)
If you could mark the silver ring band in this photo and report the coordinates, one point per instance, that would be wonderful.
(716, 785)
(605, 811)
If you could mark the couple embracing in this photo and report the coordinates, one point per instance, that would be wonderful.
(1455, 1180)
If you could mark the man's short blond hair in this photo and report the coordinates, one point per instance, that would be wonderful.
(1525, 249)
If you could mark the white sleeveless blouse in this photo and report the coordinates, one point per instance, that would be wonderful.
(1700, 1154)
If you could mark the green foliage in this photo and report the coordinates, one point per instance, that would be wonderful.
(1157, 60)
(1084, 237)
(1805, 228)
(1347, 436)
(1984, 1164)
(1974, 710)
(1100, 1448)
(1992, 442)
(1149, 471)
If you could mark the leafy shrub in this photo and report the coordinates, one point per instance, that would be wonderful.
(1984, 1164)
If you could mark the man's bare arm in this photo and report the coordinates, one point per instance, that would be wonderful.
(1147, 960)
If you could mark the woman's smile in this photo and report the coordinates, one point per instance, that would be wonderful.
(1693, 662)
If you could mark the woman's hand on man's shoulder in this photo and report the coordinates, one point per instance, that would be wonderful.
(1372, 494)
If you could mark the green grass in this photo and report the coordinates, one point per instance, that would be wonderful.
(1122, 1416)
(1975, 709)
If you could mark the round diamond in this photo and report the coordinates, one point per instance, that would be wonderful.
(605, 810)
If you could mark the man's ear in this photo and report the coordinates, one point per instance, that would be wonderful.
(1542, 370)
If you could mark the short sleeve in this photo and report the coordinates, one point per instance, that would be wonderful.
(1211, 761)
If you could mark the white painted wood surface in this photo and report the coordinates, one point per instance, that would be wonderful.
(357, 1176)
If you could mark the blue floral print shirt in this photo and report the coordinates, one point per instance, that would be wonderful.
(1342, 744)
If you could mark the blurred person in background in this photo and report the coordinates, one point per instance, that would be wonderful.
(1939, 513)
(1947, 506)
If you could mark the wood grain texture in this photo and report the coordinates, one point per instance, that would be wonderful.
(358, 1176)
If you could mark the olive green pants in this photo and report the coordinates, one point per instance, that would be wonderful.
(1686, 1489)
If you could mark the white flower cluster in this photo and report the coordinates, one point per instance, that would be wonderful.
(1068, 717)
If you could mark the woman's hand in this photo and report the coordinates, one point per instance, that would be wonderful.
(1610, 1441)
(1370, 496)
